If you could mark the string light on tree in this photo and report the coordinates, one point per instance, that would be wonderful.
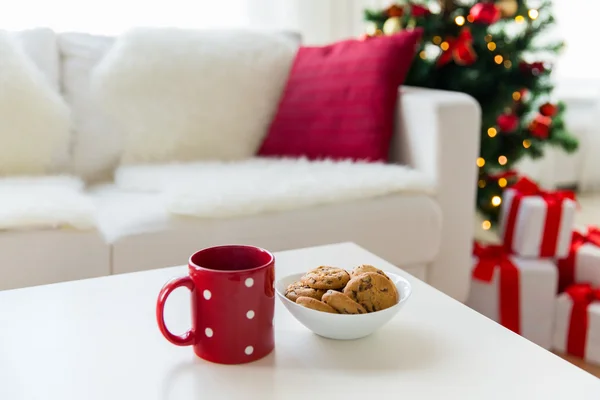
(491, 46)
(480, 162)
(498, 59)
(502, 182)
(533, 14)
(519, 19)
(486, 225)
(481, 183)
(516, 96)
(492, 132)
(502, 160)
(526, 143)
(496, 201)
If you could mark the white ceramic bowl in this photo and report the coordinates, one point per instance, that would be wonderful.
(342, 326)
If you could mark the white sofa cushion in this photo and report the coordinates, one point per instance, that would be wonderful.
(34, 119)
(403, 228)
(261, 185)
(45, 202)
(41, 46)
(181, 95)
(96, 146)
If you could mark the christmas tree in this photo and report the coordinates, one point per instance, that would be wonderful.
(495, 52)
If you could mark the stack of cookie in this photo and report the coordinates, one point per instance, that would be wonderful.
(334, 290)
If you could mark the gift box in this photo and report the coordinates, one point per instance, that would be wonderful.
(516, 292)
(582, 265)
(537, 223)
(577, 328)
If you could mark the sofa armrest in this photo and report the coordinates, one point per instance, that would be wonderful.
(438, 133)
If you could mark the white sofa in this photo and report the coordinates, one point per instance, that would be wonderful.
(429, 235)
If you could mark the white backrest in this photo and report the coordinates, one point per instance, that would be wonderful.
(97, 146)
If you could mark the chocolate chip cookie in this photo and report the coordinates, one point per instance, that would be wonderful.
(373, 291)
(298, 289)
(342, 303)
(361, 269)
(324, 277)
(315, 304)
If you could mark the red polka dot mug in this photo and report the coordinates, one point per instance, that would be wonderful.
(233, 304)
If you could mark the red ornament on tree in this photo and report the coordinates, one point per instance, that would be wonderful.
(419, 11)
(535, 68)
(507, 123)
(394, 11)
(540, 127)
(522, 94)
(459, 49)
(485, 13)
(548, 110)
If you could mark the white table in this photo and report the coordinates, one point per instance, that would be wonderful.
(98, 339)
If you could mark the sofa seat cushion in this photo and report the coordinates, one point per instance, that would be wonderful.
(402, 228)
(263, 185)
(45, 203)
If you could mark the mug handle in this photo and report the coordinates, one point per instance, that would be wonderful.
(187, 339)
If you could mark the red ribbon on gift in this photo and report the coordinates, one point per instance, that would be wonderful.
(582, 295)
(525, 187)
(566, 266)
(490, 258)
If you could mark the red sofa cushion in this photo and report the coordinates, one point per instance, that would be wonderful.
(340, 99)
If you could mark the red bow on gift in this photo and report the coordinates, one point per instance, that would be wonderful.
(492, 257)
(460, 49)
(591, 236)
(566, 266)
(526, 187)
(582, 295)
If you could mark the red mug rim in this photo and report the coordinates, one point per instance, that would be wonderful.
(195, 266)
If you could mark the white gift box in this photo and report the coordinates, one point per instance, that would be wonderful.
(537, 293)
(587, 264)
(530, 225)
(564, 306)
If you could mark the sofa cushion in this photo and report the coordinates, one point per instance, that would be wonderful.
(34, 119)
(45, 202)
(180, 95)
(340, 99)
(403, 228)
(41, 47)
(96, 145)
(262, 185)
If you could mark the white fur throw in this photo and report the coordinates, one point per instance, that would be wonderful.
(34, 119)
(221, 190)
(184, 95)
(45, 202)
